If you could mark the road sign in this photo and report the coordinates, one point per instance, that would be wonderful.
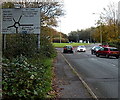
(23, 20)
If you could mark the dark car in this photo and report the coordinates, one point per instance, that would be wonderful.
(95, 49)
(108, 51)
(68, 49)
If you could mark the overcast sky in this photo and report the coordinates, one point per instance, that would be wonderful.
(79, 14)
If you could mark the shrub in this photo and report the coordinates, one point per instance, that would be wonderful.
(22, 80)
(17, 44)
(46, 48)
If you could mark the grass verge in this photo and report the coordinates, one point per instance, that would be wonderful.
(61, 45)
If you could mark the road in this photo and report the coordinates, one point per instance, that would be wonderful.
(100, 73)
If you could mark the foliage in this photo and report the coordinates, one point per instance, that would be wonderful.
(26, 79)
(50, 11)
(53, 35)
(7, 5)
(108, 25)
(46, 48)
(57, 40)
(73, 36)
(84, 35)
(29, 76)
(17, 44)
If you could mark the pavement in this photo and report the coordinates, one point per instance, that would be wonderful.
(68, 82)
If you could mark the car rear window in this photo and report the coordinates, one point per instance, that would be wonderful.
(113, 49)
(82, 46)
(105, 49)
(69, 47)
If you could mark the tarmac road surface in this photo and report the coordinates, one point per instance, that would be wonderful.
(100, 73)
(69, 84)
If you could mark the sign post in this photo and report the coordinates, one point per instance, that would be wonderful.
(119, 12)
(119, 18)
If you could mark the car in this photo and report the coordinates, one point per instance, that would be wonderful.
(104, 45)
(81, 48)
(68, 49)
(108, 51)
(95, 49)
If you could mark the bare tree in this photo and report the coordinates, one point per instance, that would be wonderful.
(108, 23)
(109, 14)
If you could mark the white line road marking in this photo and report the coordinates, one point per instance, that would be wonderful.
(113, 65)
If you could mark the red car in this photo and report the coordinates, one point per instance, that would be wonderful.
(108, 51)
(104, 45)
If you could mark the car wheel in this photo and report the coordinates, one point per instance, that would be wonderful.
(97, 55)
(64, 52)
(91, 52)
(107, 56)
(117, 57)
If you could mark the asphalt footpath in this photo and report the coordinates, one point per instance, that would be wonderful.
(68, 83)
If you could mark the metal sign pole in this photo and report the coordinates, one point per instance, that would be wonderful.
(39, 33)
(38, 41)
(4, 41)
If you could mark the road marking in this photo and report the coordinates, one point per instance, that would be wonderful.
(113, 65)
(93, 59)
(83, 82)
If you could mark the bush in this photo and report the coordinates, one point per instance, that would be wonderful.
(46, 48)
(25, 80)
(17, 44)
(26, 45)
(28, 76)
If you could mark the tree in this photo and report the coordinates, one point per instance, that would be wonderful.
(7, 5)
(50, 11)
(73, 36)
(84, 35)
(108, 24)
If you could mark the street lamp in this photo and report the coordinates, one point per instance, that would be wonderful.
(60, 31)
(100, 28)
(100, 33)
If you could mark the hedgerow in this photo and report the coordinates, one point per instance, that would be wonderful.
(27, 70)
(25, 80)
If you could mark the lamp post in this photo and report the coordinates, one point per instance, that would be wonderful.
(60, 31)
(101, 33)
(100, 28)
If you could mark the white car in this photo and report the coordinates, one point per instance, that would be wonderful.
(81, 48)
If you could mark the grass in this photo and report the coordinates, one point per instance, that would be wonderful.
(61, 45)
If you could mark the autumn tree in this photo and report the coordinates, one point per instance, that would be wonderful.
(107, 25)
